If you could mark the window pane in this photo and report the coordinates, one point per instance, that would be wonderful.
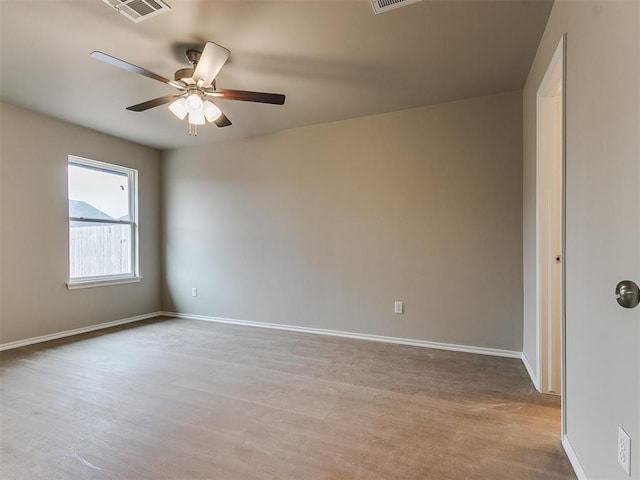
(99, 249)
(98, 193)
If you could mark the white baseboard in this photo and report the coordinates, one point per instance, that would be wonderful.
(318, 331)
(530, 371)
(361, 336)
(76, 331)
(573, 459)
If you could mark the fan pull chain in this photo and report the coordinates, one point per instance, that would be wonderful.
(193, 131)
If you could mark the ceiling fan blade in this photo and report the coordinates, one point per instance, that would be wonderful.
(156, 102)
(222, 121)
(243, 95)
(212, 59)
(130, 67)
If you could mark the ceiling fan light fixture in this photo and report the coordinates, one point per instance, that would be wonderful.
(196, 118)
(194, 103)
(211, 111)
(193, 84)
(179, 108)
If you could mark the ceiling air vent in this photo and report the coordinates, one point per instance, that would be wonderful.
(139, 10)
(381, 6)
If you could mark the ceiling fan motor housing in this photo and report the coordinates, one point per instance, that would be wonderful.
(185, 75)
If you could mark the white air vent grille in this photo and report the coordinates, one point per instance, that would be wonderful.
(381, 6)
(138, 10)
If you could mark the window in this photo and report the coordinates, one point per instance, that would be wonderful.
(103, 229)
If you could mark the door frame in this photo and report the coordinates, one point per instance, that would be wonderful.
(558, 61)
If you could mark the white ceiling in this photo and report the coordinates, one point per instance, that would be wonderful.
(333, 59)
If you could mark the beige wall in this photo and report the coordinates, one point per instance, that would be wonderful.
(325, 226)
(34, 299)
(602, 223)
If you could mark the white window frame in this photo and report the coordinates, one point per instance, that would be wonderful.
(102, 280)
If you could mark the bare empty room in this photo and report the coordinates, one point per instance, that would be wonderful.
(319, 239)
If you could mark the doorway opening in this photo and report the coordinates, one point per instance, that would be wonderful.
(550, 188)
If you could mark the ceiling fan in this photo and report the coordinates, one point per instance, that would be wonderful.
(196, 85)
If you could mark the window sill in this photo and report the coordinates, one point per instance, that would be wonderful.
(102, 282)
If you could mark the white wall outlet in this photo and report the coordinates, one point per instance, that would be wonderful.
(194, 292)
(398, 307)
(624, 450)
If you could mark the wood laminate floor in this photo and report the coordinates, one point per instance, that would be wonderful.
(185, 399)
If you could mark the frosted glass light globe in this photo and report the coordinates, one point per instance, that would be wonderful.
(194, 103)
(211, 111)
(196, 119)
(178, 108)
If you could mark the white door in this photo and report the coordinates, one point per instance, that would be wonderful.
(602, 233)
(550, 227)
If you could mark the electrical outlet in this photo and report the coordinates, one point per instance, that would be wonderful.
(194, 292)
(624, 450)
(398, 307)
